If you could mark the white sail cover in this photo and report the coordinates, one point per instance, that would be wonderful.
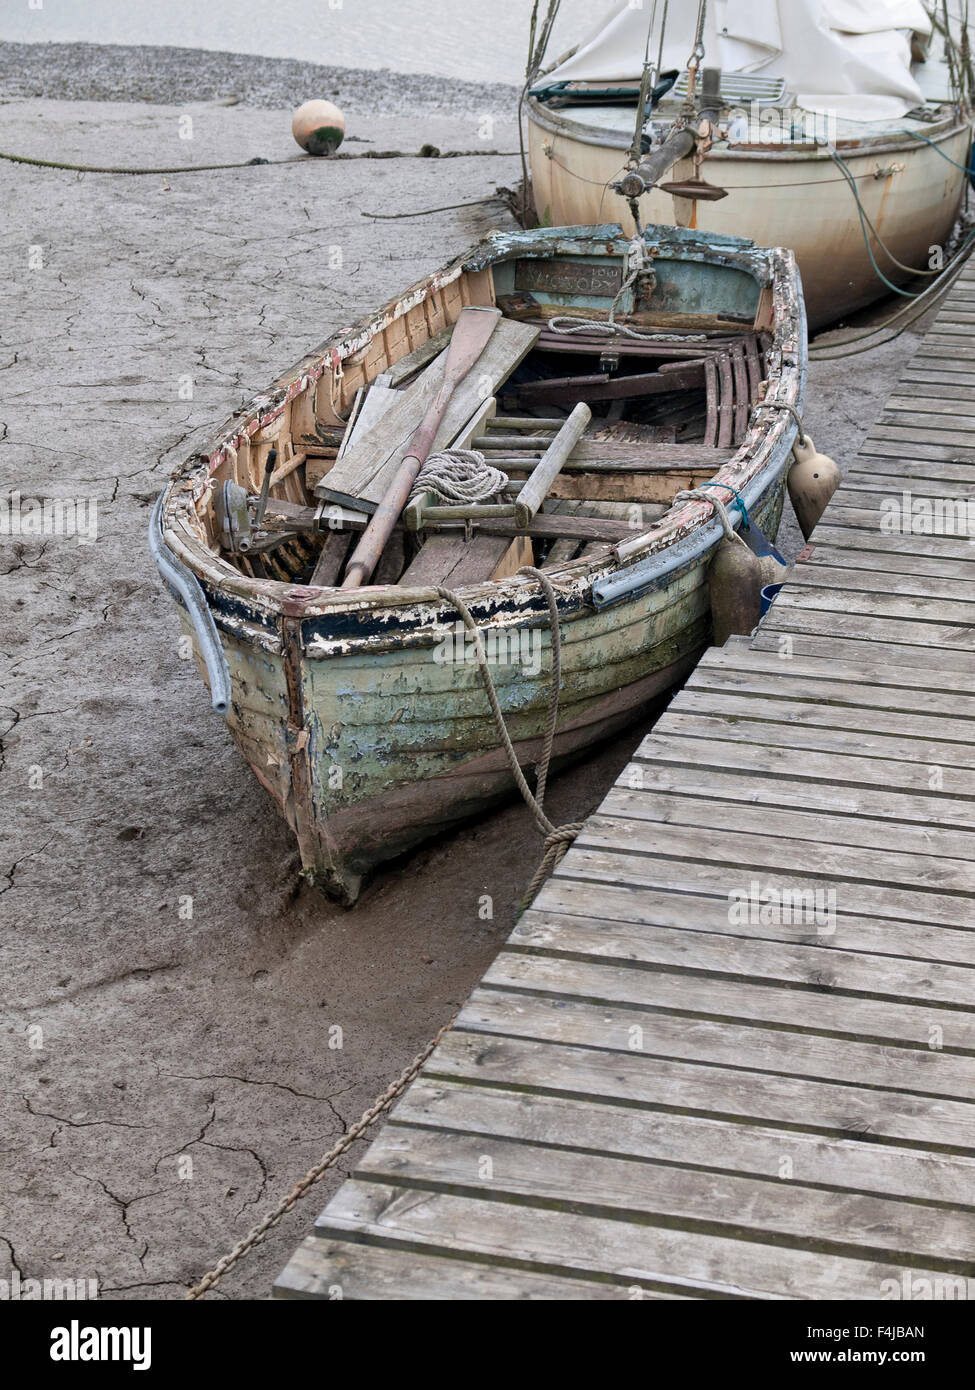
(851, 58)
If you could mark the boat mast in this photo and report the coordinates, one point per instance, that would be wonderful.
(536, 54)
(683, 138)
(651, 72)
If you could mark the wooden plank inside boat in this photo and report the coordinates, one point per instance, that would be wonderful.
(363, 476)
(454, 562)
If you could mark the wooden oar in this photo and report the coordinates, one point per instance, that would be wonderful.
(472, 330)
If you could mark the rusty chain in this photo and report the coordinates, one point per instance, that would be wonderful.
(557, 841)
(271, 1218)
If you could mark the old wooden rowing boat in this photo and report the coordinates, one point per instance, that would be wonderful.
(360, 710)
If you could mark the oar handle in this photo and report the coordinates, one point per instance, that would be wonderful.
(382, 523)
(472, 330)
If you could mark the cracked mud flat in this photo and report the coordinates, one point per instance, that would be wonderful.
(168, 1037)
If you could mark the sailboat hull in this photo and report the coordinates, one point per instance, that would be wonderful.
(782, 196)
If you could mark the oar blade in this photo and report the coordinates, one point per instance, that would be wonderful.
(470, 337)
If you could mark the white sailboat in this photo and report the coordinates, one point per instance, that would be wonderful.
(839, 128)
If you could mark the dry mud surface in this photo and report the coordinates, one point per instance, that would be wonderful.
(168, 987)
(120, 72)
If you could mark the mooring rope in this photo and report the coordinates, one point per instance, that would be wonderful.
(458, 476)
(916, 134)
(427, 212)
(557, 838)
(640, 260)
(866, 227)
(802, 438)
(917, 308)
(700, 494)
(248, 163)
(637, 263)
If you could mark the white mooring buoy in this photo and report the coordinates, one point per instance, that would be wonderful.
(318, 127)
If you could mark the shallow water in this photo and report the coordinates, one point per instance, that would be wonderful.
(450, 38)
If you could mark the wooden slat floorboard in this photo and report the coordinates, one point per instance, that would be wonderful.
(692, 911)
(729, 1051)
(691, 1141)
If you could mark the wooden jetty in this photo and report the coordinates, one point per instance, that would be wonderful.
(665, 1088)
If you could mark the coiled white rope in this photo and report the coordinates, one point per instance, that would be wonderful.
(458, 476)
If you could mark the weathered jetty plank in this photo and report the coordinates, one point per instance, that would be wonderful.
(730, 1049)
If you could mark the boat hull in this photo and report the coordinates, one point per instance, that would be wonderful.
(797, 198)
(401, 744)
(363, 713)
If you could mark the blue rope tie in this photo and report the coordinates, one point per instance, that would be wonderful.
(738, 498)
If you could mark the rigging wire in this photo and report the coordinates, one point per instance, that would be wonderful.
(702, 10)
(915, 310)
(866, 223)
(647, 82)
(694, 61)
(663, 31)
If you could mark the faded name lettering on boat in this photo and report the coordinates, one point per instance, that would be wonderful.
(568, 277)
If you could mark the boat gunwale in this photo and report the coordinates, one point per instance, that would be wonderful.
(241, 603)
(955, 123)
